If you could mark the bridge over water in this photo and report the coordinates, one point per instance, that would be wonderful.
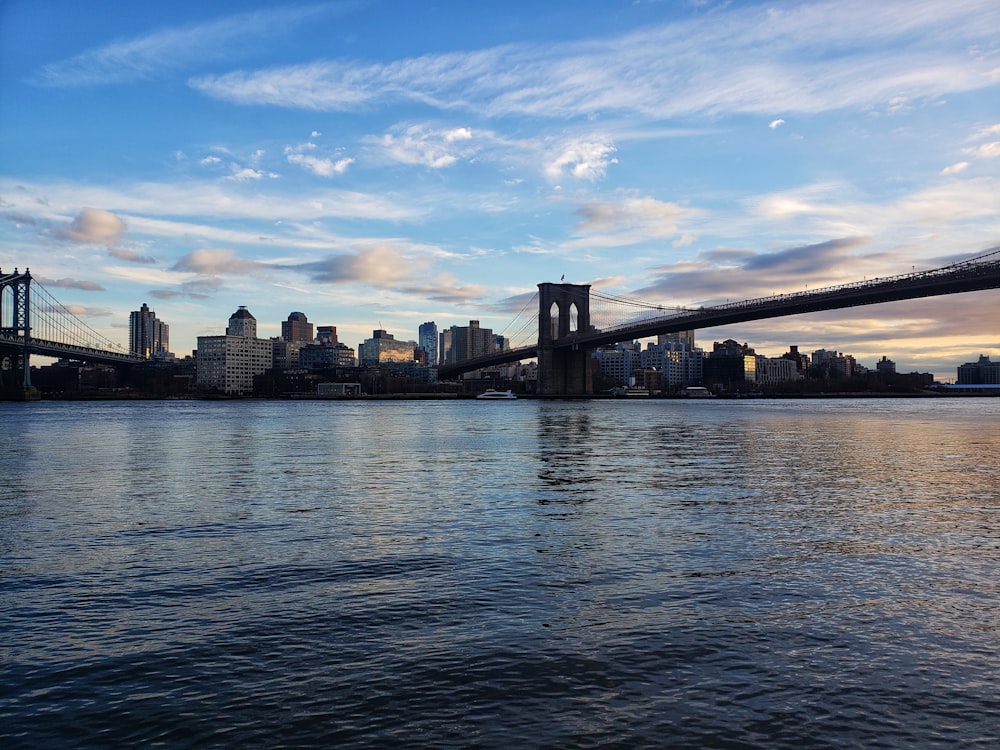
(572, 321)
(567, 333)
(32, 321)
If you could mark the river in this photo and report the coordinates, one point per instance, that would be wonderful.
(532, 574)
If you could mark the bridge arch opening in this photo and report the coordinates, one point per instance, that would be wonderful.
(574, 318)
(554, 315)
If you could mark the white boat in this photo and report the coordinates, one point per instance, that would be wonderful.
(492, 395)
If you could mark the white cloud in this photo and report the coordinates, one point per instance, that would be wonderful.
(987, 132)
(774, 124)
(95, 226)
(584, 159)
(985, 151)
(955, 168)
(243, 174)
(427, 146)
(218, 261)
(322, 166)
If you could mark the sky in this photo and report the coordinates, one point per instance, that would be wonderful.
(385, 163)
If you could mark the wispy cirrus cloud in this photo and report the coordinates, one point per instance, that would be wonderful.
(145, 57)
(764, 59)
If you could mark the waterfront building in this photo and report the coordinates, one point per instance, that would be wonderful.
(776, 370)
(229, 363)
(617, 363)
(324, 356)
(983, 372)
(297, 328)
(383, 348)
(676, 357)
(427, 339)
(148, 336)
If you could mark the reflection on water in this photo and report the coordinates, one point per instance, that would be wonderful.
(537, 574)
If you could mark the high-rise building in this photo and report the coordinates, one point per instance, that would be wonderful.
(147, 335)
(427, 339)
(468, 342)
(228, 363)
(444, 346)
(297, 328)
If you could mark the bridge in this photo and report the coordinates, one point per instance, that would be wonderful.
(568, 329)
(571, 321)
(32, 321)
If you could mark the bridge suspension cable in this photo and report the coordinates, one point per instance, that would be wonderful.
(526, 331)
(53, 321)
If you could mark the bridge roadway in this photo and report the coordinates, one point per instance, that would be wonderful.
(13, 344)
(965, 277)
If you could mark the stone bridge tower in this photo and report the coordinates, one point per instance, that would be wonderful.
(563, 313)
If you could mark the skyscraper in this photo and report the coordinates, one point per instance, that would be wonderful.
(147, 335)
(427, 339)
(469, 341)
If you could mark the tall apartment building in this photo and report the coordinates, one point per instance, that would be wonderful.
(147, 335)
(228, 363)
(427, 339)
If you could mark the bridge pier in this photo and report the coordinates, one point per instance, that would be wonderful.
(15, 320)
(563, 312)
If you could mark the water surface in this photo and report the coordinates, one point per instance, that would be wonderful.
(516, 574)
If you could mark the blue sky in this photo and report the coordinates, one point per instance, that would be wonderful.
(380, 164)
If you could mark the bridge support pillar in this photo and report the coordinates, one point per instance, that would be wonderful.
(15, 318)
(563, 312)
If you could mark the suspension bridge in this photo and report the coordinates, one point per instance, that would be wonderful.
(572, 320)
(560, 325)
(32, 321)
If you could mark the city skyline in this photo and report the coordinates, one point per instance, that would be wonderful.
(383, 164)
